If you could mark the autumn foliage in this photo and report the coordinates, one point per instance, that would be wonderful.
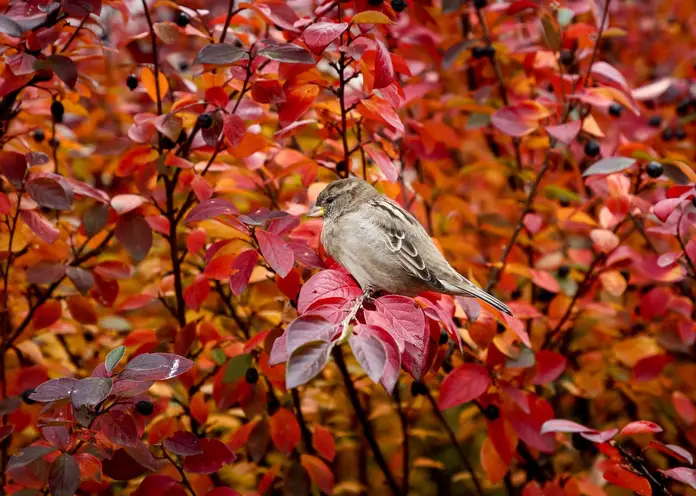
(171, 325)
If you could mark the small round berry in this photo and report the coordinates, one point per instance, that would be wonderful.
(654, 169)
(39, 136)
(683, 107)
(375, 3)
(398, 5)
(57, 111)
(567, 57)
(145, 407)
(500, 327)
(88, 337)
(592, 148)
(272, 404)
(563, 271)
(418, 388)
(489, 51)
(680, 133)
(667, 134)
(447, 367)
(516, 294)
(183, 66)
(132, 81)
(478, 52)
(251, 375)
(545, 295)
(615, 109)
(182, 20)
(565, 202)
(25, 396)
(54, 143)
(443, 337)
(655, 121)
(492, 412)
(479, 4)
(204, 121)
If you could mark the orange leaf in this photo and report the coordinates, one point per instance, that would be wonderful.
(320, 474)
(285, 431)
(494, 465)
(148, 79)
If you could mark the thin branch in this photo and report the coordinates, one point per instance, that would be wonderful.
(182, 473)
(306, 434)
(405, 443)
(153, 42)
(453, 440)
(225, 27)
(361, 414)
(74, 35)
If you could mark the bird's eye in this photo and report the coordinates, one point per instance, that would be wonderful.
(330, 199)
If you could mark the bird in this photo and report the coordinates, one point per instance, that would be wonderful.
(384, 247)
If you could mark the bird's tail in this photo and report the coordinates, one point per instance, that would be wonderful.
(469, 289)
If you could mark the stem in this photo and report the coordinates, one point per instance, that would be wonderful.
(306, 434)
(153, 42)
(364, 422)
(404, 443)
(74, 35)
(455, 443)
(184, 479)
(226, 26)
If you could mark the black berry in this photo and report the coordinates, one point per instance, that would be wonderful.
(39, 136)
(565, 202)
(615, 109)
(592, 148)
(375, 3)
(477, 52)
(204, 121)
(444, 337)
(489, 51)
(567, 57)
(251, 375)
(183, 66)
(418, 388)
(655, 121)
(545, 295)
(693, 201)
(492, 412)
(399, 5)
(479, 4)
(272, 404)
(447, 367)
(26, 398)
(680, 133)
(54, 143)
(145, 407)
(654, 169)
(182, 20)
(57, 111)
(683, 107)
(132, 82)
(516, 294)
(563, 271)
(89, 337)
(499, 327)
(667, 134)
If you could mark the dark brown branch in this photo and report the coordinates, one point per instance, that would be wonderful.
(361, 414)
(225, 27)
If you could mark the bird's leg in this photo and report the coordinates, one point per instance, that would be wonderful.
(347, 329)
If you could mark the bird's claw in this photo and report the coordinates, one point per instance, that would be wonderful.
(346, 327)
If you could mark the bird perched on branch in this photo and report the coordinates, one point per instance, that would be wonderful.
(384, 247)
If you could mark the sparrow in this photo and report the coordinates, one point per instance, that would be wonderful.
(384, 247)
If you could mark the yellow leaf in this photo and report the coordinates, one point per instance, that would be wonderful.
(590, 126)
(491, 461)
(613, 282)
(166, 31)
(632, 350)
(371, 17)
(570, 214)
(614, 33)
(148, 79)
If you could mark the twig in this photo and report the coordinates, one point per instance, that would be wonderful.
(306, 434)
(455, 443)
(153, 42)
(74, 35)
(225, 27)
(364, 422)
(182, 473)
(404, 444)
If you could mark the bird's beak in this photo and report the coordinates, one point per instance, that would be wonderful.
(316, 211)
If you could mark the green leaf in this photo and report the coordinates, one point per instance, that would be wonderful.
(113, 358)
(218, 356)
(236, 368)
(609, 165)
(564, 16)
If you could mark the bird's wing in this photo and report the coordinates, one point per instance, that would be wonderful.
(393, 224)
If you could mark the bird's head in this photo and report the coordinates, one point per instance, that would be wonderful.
(340, 196)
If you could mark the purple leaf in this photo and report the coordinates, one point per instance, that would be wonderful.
(370, 354)
(183, 443)
(40, 226)
(64, 476)
(276, 252)
(219, 54)
(291, 54)
(306, 362)
(155, 367)
(27, 455)
(308, 328)
(53, 390)
(136, 235)
(244, 265)
(50, 193)
(90, 392)
(211, 208)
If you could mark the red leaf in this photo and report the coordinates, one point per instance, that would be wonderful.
(511, 122)
(160, 485)
(215, 454)
(393, 364)
(90, 466)
(565, 133)
(640, 427)
(369, 353)
(327, 285)
(197, 292)
(684, 407)
(201, 188)
(47, 314)
(406, 321)
(320, 35)
(323, 442)
(183, 443)
(682, 474)
(651, 367)
(608, 72)
(560, 425)
(298, 99)
(276, 252)
(135, 234)
(50, 193)
(119, 427)
(156, 367)
(674, 451)
(622, 477)
(234, 129)
(320, 474)
(528, 425)
(465, 383)
(384, 70)
(209, 209)
(196, 240)
(64, 476)
(285, 431)
(114, 269)
(123, 204)
(267, 91)
(14, 166)
(382, 161)
(40, 226)
(664, 208)
(549, 366)
(545, 280)
(243, 266)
